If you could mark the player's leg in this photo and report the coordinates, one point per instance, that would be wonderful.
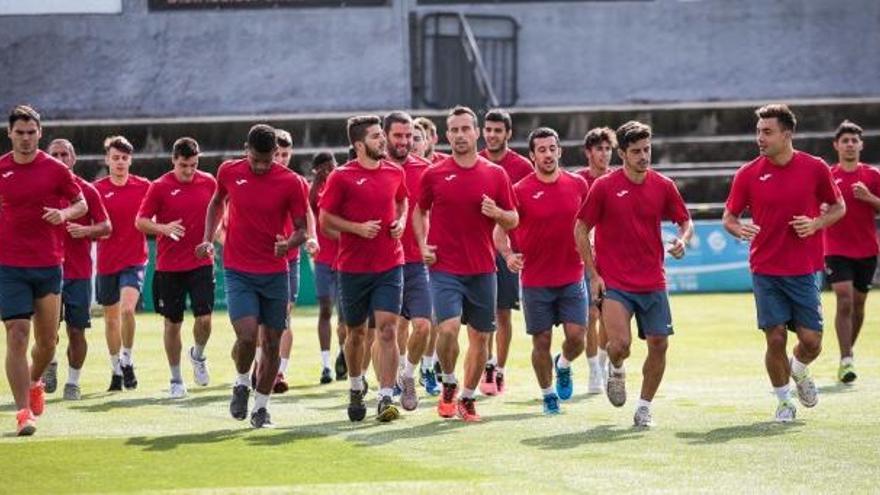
(617, 311)
(108, 296)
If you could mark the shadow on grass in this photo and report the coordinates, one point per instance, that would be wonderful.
(575, 399)
(837, 388)
(171, 442)
(196, 400)
(761, 429)
(599, 434)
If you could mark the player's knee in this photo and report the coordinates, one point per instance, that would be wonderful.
(658, 344)
(386, 334)
(776, 339)
(46, 341)
(811, 343)
(203, 321)
(17, 339)
(619, 349)
(128, 310)
(844, 303)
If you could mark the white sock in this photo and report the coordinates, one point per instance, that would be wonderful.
(643, 403)
(175, 374)
(282, 366)
(492, 360)
(499, 370)
(258, 354)
(847, 361)
(467, 393)
(563, 363)
(357, 383)
(243, 379)
(797, 368)
(73, 376)
(125, 356)
(408, 369)
(548, 391)
(198, 352)
(325, 359)
(783, 393)
(386, 392)
(401, 360)
(427, 362)
(615, 369)
(593, 362)
(115, 365)
(449, 378)
(260, 401)
(603, 356)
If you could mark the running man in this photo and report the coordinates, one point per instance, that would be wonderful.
(431, 139)
(627, 278)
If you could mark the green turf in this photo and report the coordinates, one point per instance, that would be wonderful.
(713, 432)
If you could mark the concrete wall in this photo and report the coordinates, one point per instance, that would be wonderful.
(144, 63)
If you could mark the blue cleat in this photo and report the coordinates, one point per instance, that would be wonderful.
(551, 404)
(431, 385)
(564, 386)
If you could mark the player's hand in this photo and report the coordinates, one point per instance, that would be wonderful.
(281, 246)
(489, 208)
(77, 231)
(204, 250)
(676, 248)
(174, 230)
(597, 289)
(53, 215)
(860, 191)
(312, 247)
(514, 262)
(397, 228)
(429, 254)
(748, 231)
(803, 225)
(369, 229)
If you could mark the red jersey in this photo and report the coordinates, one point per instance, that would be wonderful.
(454, 195)
(438, 157)
(627, 217)
(78, 252)
(126, 246)
(26, 240)
(854, 235)
(774, 195)
(359, 194)
(168, 200)
(547, 214)
(293, 254)
(329, 247)
(413, 169)
(516, 165)
(259, 207)
(588, 175)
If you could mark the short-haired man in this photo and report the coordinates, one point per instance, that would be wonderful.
(431, 139)
(464, 197)
(497, 131)
(783, 189)
(262, 197)
(174, 211)
(599, 145)
(851, 245)
(548, 202)
(76, 292)
(365, 201)
(122, 257)
(420, 142)
(626, 208)
(38, 195)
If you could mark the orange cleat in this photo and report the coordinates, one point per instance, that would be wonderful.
(446, 404)
(37, 398)
(27, 424)
(467, 411)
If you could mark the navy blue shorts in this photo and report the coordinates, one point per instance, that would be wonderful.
(260, 295)
(589, 291)
(653, 317)
(20, 286)
(508, 285)
(792, 301)
(546, 307)
(108, 287)
(325, 282)
(170, 290)
(416, 292)
(364, 293)
(859, 271)
(76, 300)
(293, 279)
(470, 297)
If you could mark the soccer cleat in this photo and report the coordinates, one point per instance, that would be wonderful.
(129, 380)
(366, 385)
(551, 404)
(500, 384)
(422, 372)
(115, 383)
(564, 385)
(386, 410)
(71, 392)
(446, 404)
(431, 386)
(846, 373)
(597, 380)
(341, 366)
(326, 376)
(27, 424)
(616, 388)
(487, 381)
(806, 389)
(280, 386)
(785, 412)
(642, 418)
(409, 399)
(238, 406)
(37, 398)
(200, 370)
(50, 377)
(397, 390)
(177, 390)
(261, 419)
(357, 410)
(467, 411)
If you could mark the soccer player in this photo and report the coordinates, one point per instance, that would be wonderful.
(554, 293)
(851, 244)
(497, 131)
(626, 208)
(38, 194)
(365, 201)
(783, 190)
(420, 142)
(76, 292)
(174, 211)
(417, 308)
(262, 197)
(431, 140)
(599, 144)
(464, 197)
(122, 257)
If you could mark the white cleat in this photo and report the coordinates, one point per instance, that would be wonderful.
(616, 387)
(806, 389)
(785, 412)
(200, 370)
(597, 381)
(643, 418)
(177, 391)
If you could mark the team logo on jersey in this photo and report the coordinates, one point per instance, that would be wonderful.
(109, 194)
(175, 192)
(764, 177)
(241, 182)
(622, 193)
(538, 195)
(449, 177)
(361, 182)
(7, 175)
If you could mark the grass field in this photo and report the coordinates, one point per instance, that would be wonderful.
(713, 413)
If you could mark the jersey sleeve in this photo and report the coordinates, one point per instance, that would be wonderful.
(97, 211)
(331, 199)
(426, 191)
(299, 199)
(150, 204)
(592, 209)
(675, 207)
(505, 198)
(67, 186)
(738, 198)
(402, 193)
(222, 174)
(827, 191)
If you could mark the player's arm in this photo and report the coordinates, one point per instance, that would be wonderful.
(805, 226)
(300, 229)
(502, 245)
(420, 231)
(213, 216)
(76, 209)
(862, 193)
(685, 232)
(506, 219)
(367, 230)
(585, 248)
(311, 241)
(174, 230)
(94, 231)
(733, 225)
(399, 224)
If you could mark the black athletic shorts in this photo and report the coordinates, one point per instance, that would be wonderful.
(171, 288)
(858, 270)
